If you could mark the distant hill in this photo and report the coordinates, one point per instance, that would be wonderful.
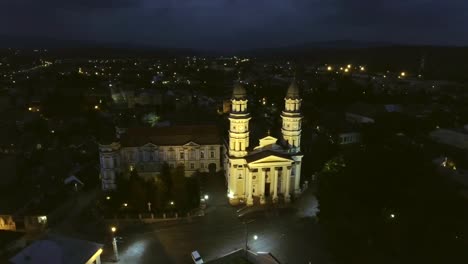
(78, 48)
(440, 62)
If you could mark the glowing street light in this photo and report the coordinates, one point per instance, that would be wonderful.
(206, 197)
(96, 107)
(114, 244)
(349, 66)
(329, 68)
(403, 74)
(107, 197)
(255, 237)
(346, 70)
(172, 202)
(125, 204)
(392, 216)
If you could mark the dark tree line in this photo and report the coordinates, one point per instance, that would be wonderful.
(170, 191)
(389, 205)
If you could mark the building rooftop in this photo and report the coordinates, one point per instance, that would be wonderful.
(55, 249)
(172, 136)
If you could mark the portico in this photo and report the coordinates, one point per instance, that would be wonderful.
(269, 178)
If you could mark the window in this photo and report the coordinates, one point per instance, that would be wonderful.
(171, 154)
(202, 154)
(192, 166)
(42, 219)
(240, 176)
(212, 154)
(202, 165)
(182, 155)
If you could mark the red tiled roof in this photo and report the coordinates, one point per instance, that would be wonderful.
(171, 136)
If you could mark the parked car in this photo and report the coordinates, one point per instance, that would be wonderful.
(197, 258)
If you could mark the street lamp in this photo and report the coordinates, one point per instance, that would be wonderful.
(247, 236)
(255, 237)
(114, 244)
(206, 197)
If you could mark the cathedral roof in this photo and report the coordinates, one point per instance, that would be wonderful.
(239, 91)
(293, 91)
(171, 136)
(266, 153)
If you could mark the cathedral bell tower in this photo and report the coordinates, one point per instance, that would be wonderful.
(239, 123)
(292, 119)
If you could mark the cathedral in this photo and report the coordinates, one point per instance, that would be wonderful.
(271, 171)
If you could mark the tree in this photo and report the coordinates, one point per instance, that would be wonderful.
(137, 192)
(179, 188)
(388, 205)
(166, 176)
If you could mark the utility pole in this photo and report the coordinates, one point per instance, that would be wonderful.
(246, 236)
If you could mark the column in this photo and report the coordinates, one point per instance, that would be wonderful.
(275, 185)
(297, 178)
(262, 186)
(287, 197)
(248, 191)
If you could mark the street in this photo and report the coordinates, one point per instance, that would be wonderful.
(291, 235)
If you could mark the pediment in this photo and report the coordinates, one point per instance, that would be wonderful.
(191, 144)
(271, 159)
(149, 145)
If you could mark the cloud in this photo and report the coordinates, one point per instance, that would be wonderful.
(237, 23)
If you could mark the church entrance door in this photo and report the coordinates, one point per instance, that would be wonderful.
(267, 189)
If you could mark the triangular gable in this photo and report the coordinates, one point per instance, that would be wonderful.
(269, 159)
(149, 145)
(191, 144)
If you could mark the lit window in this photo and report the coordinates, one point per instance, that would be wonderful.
(42, 219)
(202, 154)
(212, 154)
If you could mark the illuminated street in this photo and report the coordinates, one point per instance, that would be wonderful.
(290, 235)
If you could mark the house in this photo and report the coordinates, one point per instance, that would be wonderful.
(362, 113)
(55, 249)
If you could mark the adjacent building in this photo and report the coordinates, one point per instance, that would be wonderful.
(146, 149)
(270, 171)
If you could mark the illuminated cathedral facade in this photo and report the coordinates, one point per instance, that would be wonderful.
(271, 171)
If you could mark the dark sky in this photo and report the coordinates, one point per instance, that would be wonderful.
(237, 24)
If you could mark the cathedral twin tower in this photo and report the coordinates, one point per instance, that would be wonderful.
(270, 171)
